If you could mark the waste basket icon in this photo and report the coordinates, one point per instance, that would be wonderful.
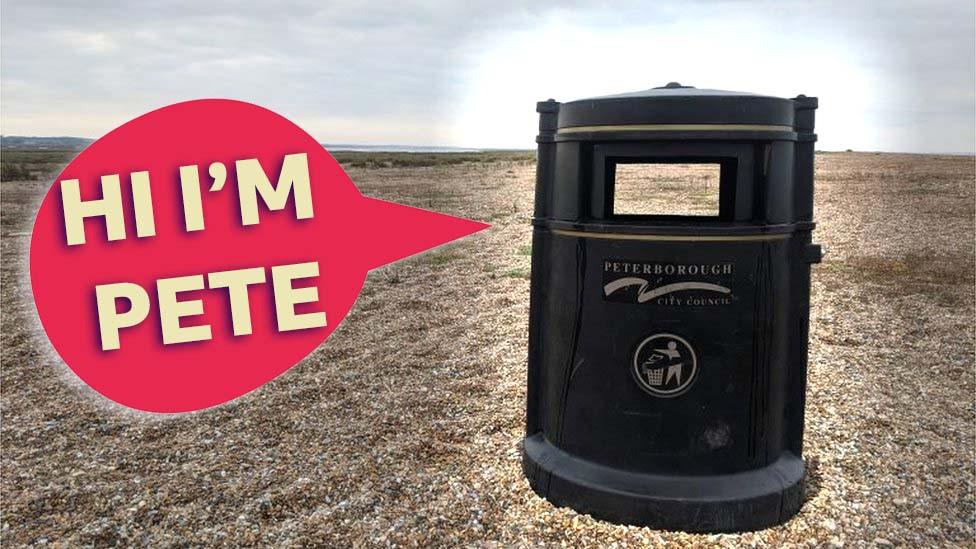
(668, 324)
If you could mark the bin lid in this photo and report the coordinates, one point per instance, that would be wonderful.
(677, 104)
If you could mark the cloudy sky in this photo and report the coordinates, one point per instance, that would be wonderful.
(891, 75)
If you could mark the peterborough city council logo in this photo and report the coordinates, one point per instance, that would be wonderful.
(668, 284)
(665, 365)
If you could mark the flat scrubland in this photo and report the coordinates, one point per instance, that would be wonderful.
(404, 427)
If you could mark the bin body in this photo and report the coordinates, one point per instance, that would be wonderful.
(667, 354)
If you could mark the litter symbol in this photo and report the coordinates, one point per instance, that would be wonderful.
(665, 365)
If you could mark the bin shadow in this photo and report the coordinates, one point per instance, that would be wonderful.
(813, 480)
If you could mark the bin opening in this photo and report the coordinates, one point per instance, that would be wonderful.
(671, 189)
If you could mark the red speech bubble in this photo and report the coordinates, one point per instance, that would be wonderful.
(204, 250)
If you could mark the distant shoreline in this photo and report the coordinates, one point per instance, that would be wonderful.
(44, 143)
(65, 143)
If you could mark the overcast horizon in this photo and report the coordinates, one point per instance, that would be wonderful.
(894, 76)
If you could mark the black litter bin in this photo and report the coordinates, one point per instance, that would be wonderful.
(668, 352)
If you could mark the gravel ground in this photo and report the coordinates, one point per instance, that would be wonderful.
(404, 427)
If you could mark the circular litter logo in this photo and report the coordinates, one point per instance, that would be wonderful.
(665, 365)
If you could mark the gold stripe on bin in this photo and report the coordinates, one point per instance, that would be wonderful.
(678, 128)
(668, 237)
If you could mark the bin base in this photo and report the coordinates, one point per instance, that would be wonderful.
(751, 500)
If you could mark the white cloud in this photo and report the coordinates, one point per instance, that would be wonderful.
(85, 42)
(891, 76)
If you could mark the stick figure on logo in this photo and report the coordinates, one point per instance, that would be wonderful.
(664, 365)
(655, 373)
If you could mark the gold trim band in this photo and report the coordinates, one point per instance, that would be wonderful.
(665, 237)
(678, 128)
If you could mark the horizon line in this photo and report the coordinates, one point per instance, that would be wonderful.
(461, 148)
